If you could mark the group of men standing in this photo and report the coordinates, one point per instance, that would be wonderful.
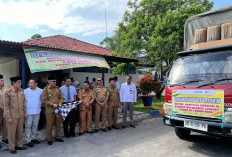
(17, 105)
(20, 105)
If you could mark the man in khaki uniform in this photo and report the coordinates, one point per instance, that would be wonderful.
(15, 112)
(113, 104)
(52, 97)
(2, 119)
(102, 95)
(87, 97)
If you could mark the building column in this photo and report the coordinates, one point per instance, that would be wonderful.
(23, 70)
(103, 76)
(128, 69)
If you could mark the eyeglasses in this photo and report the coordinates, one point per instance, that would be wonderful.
(54, 81)
(98, 80)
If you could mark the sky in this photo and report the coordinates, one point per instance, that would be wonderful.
(80, 19)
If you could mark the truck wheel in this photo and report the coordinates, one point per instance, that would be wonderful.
(182, 133)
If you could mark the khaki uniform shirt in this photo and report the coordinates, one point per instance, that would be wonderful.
(101, 93)
(14, 103)
(2, 94)
(86, 97)
(51, 96)
(113, 96)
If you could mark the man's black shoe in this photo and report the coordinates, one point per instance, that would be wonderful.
(115, 127)
(36, 141)
(21, 148)
(5, 141)
(67, 136)
(73, 135)
(59, 140)
(123, 126)
(80, 133)
(0, 146)
(132, 125)
(90, 132)
(50, 143)
(13, 151)
(30, 144)
(104, 130)
(96, 130)
(109, 128)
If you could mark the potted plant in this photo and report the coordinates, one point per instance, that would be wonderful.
(146, 84)
(158, 88)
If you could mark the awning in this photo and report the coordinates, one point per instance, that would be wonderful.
(46, 60)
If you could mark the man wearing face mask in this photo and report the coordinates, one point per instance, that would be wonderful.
(52, 97)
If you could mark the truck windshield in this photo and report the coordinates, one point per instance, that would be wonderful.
(202, 68)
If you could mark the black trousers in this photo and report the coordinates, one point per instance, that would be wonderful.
(72, 120)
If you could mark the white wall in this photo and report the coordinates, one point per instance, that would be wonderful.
(8, 70)
(80, 76)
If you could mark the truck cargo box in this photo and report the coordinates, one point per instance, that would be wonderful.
(220, 17)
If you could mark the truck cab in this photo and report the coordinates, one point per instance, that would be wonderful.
(198, 96)
(201, 70)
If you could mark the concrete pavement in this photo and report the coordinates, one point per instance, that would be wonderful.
(149, 139)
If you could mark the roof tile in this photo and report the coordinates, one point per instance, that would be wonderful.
(64, 42)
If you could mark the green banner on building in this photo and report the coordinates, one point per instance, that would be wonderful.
(46, 60)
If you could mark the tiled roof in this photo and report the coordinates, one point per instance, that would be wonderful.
(64, 42)
(16, 47)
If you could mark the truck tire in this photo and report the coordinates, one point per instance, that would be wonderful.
(182, 133)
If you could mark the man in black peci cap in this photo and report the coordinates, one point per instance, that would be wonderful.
(52, 97)
(87, 97)
(15, 112)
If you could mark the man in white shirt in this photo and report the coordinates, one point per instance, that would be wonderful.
(128, 98)
(69, 95)
(116, 82)
(33, 98)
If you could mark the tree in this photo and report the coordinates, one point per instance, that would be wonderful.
(35, 36)
(155, 28)
(121, 69)
(112, 43)
(140, 22)
(167, 38)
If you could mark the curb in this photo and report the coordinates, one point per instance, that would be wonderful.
(157, 112)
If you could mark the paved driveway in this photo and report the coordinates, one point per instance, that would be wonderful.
(149, 139)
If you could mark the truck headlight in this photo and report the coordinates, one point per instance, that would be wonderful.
(167, 108)
(228, 115)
